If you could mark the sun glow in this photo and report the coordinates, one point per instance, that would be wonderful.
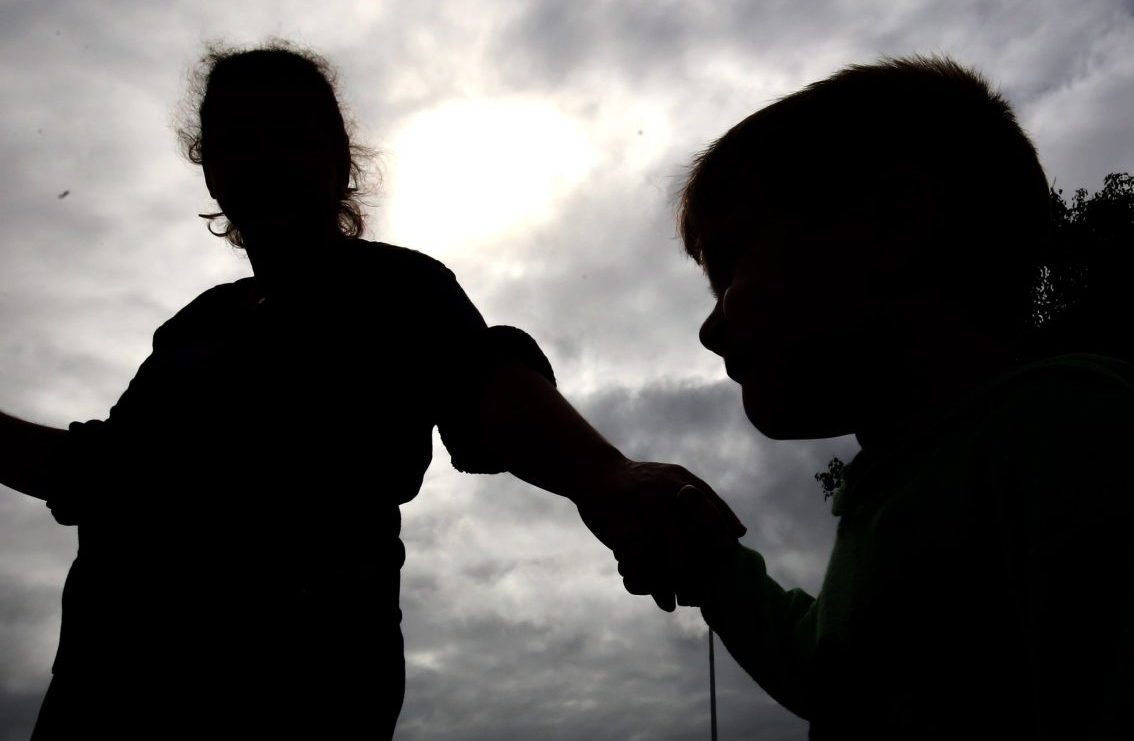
(470, 172)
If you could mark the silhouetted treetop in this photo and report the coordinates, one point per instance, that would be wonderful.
(1083, 300)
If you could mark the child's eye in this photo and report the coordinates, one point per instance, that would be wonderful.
(717, 287)
(719, 278)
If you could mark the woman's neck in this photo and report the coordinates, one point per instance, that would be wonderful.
(283, 260)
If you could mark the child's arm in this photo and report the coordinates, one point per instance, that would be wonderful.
(770, 631)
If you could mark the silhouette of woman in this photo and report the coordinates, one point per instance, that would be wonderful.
(238, 510)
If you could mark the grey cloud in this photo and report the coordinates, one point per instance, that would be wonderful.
(26, 609)
(526, 681)
(18, 711)
(660, 43)
(1033, 52)
(29, 611)
(606, 287)
(556, 40)
(1082, 127)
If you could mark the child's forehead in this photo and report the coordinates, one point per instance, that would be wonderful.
(740, 242)
(780, 245)
(740, 228)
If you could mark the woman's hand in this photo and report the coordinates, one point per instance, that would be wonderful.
(528, 428)
(663, 523)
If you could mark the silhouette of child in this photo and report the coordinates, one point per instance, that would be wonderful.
(238, 568)
(873, 242)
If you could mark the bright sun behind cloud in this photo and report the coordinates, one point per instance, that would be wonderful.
(468, 172)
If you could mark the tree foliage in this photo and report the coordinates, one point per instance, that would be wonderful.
(832, 478)
(1083, 302)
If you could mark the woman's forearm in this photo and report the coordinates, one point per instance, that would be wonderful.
(540, 437)
(27, 451)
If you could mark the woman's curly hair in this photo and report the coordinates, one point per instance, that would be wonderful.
(274, 60)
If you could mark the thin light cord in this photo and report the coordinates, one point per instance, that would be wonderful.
(712, 687)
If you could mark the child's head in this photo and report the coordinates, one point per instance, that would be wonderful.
(842, 224)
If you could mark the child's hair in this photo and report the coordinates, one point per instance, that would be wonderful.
(824, 149)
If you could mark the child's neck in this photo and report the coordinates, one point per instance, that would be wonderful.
(925, 384)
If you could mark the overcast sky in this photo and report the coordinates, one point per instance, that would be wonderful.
(535, 148)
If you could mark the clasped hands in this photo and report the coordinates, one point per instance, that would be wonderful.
(666, 527)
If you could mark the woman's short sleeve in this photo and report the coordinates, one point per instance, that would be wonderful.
(464, 352)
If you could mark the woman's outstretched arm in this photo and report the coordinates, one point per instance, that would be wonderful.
(27, 452)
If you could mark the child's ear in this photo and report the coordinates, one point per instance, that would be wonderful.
(907, 212)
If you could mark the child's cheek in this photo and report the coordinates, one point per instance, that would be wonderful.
(746, 305)
(734, 301)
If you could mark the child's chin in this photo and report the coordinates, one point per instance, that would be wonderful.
(764, 413)
(773, 414)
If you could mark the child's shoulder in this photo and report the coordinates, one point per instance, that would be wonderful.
(1060, 425)
(1078, 386)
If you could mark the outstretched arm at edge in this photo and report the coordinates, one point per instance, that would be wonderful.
(27, 452)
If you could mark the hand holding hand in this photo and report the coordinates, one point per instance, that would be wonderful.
(662, 523)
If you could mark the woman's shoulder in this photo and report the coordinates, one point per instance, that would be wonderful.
(364, 257)
(386, 275)
(208, 307)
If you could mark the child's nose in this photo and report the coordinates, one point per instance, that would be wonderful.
(712, 330)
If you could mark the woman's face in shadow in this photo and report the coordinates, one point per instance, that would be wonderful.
(271, 158)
